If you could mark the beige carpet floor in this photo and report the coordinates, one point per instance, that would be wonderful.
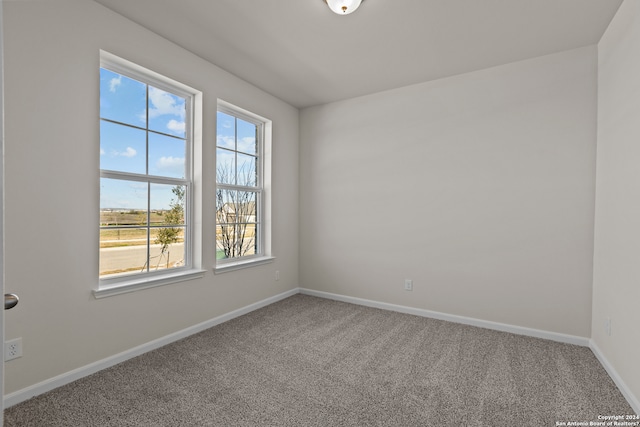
(307, 361)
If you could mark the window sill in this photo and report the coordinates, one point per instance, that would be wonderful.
(239, 265)
(147, 282)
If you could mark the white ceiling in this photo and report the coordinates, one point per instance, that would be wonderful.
(301, 52)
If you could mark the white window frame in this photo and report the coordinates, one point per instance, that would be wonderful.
(263, 189)
(191, 270)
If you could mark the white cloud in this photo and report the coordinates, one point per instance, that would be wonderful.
(247, 144)
(176, 126)
(225, 170)
(171, 164)
(226, 141)
(114, 83)
(164, 103)
(102, 151)
(128, 152)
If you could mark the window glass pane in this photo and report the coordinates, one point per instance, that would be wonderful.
(128, 198)
(122, 99)
(236, 216)
(167, 156)
(168, 222)
(122, 148)
(167, 204)
(226, 131)
(245, 206)
(247, 170)
(235, 240)
(225, 236)
(237, 167)
(246, 137)
(145, 146)
(167, 112)
(225, 166)
(123, 251)
(225, 206)
(246, 239)
(220, 253)
(167, 249)
(251, 246)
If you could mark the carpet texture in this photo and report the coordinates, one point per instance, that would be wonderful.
(307, 361)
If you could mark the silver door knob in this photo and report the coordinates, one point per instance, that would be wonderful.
(10, 301)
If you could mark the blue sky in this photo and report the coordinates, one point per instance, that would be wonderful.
(124, 148)
(160, 119)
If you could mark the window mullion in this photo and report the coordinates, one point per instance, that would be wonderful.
(148, 182)
(147, 132)
(237, 187)
(235, 151)
(258, 156)
(148, 228)
(126, 176)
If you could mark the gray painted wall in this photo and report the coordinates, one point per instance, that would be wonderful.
(52, 155)
(479, 188)
(616, 282)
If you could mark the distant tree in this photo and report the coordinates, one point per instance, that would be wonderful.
(235, 214)
(174, 216)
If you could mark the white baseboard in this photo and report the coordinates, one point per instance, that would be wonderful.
(68, 377)
(553, 336)
(519, 330)
(622, 386)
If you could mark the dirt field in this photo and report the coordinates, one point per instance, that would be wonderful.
(120, 237)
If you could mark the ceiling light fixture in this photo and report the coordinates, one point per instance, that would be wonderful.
(343, 7)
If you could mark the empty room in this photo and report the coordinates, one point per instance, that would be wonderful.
(320, 212)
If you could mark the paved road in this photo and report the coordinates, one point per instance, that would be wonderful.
(113, 259)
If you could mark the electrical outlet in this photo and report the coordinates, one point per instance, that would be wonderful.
(13, 349)
(408, 284)
(277, 274)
